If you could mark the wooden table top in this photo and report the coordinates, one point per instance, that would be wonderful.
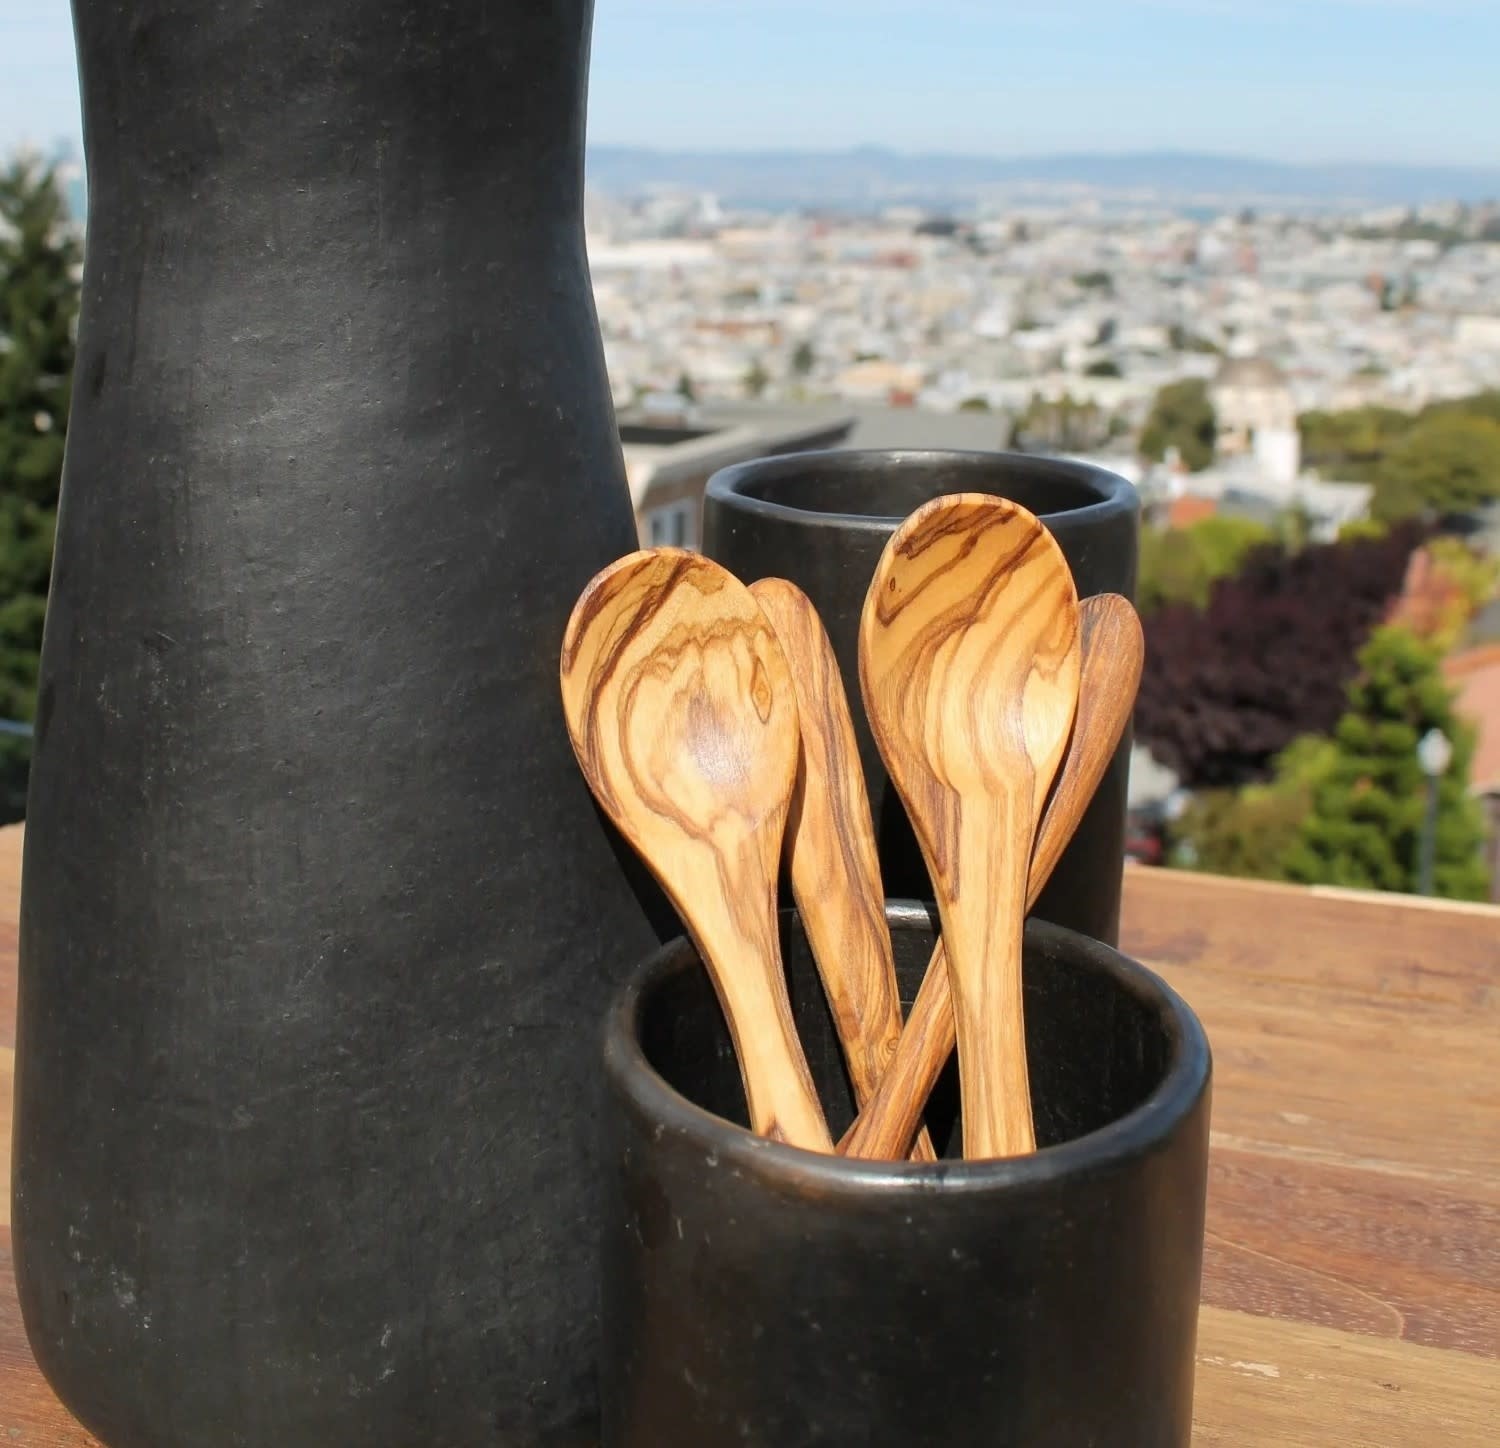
(1352, 1279)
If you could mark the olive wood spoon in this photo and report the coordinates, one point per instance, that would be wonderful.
(969, 662)
(1113, 655)
(831, 853)
(684, 721)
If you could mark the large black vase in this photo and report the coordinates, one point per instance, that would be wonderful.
(319, 920)
(822, 520)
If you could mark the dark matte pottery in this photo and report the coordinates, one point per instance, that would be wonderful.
(821, 519)
(319, 919)
(758, 1294)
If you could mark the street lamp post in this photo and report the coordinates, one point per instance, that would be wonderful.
(1434, 754)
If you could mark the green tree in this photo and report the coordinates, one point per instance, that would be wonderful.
(974, 404)
(756, 379)
(1349, 445)
(40, 254)
(1182, 417)
(803, 359)
(1251, 831)
(1365, 824)
(1449, 462)
(686, 388)
(1104, 367)
(1181, 565)
(1064, 424)
(1478, 404)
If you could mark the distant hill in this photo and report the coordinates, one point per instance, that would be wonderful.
(873, 175)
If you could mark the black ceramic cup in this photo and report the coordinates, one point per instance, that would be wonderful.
(821, 519)
(759, 1294)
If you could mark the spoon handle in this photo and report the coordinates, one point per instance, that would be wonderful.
(735, 930)
(830, 847)
(984, 913)
(1113, 654)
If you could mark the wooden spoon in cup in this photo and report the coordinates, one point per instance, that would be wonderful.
(969, 662)
(1113, 655)
(683, 717)
(831, 852)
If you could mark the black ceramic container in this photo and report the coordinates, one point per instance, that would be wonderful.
(318, 916)
(754, 1293)
(821, 519)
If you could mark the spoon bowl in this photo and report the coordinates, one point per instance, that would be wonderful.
(1113, 656)
(969, 664)
(681, 712)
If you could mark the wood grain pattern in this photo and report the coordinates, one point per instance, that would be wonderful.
(969, 663)
(683, 717)
(1438, 1283)
(832, 856)
(1113, 655)
(1351, 1247)
(1267, 1384)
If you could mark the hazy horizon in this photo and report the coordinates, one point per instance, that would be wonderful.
(1345, 82)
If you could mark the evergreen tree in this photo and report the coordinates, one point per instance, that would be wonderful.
(1365, 825)
(40, 255)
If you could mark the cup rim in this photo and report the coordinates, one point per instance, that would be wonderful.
(1143, 1129)
(726, 486)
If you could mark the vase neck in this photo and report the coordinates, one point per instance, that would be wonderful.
(220, 104)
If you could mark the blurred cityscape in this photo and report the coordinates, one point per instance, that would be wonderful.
(1308, 400)
(1306, 397)
(1059, 325)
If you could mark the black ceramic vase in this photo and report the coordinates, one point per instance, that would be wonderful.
(821, 519)
(318, 917)
(755, 1293)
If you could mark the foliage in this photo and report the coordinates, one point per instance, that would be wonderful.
(1463, 580)
(1227, 688)
(1412, 227)
(1365, 826)
(1181, 565)
(1445, 458)
(686, 388)
(1065, 424)
(1250, 831)
(1349, 445)
(1449, 462)
(1182, 340)
(1104, 367)
(1363, 528)
(974, 404)
(803, 359)
(1182, 417)
(40, 256)
(756, 379)
(1479, 404)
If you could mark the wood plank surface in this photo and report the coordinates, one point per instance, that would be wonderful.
(1352, 1271)
(1287, 1385)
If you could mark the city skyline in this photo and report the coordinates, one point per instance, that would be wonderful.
(1316, 81)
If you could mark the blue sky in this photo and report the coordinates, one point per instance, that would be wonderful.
(1367, 80)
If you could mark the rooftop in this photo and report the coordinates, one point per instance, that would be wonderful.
(1475, 673)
